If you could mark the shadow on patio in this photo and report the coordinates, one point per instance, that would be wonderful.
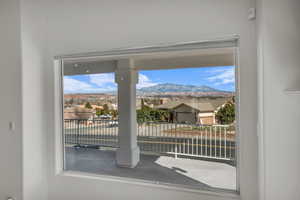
(197, 174)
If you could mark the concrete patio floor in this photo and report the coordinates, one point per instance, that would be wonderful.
(181, 171)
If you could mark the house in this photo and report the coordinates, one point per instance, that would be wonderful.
(188, 111)
(79, 113)
(191, 112)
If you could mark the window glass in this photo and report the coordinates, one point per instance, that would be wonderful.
(185, 126)
(90, 121)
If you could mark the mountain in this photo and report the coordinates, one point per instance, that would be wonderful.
(176, 88)
(170, 89)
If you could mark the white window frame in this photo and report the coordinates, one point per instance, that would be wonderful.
(232, 42)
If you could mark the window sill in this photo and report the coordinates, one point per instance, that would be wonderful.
(213, 192)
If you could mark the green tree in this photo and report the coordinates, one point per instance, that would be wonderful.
(114, 113)
(88, 105)
(105, 110)
(143, 114)
(226, 114)
(98, 112)
(146, 114)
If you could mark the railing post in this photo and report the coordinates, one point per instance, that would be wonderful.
(77, 133)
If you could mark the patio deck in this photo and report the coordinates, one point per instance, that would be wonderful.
(197, 174)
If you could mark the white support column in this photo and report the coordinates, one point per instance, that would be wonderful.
(128, 153)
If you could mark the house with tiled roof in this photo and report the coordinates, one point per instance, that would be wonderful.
(188, 111)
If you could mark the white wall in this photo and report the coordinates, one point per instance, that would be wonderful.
(83, 26)
(279, 69)
(53, 27)
(10, 100)
(34, 103)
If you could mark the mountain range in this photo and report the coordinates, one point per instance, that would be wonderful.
(170, 89)
(176, 88)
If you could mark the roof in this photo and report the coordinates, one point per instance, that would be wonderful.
(200, 106)
(216, 102)
(77, 113)
(169, 105)
(139, 104)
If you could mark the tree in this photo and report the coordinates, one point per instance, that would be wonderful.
(114, 113)
(105, 109)
(146, 114)
(88, 105)
(143, 115)
(71, 102)
(98, 112)
(226, 114)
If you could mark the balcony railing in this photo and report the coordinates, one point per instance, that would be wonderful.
(159, 138)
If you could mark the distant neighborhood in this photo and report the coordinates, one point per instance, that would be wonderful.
(172, 119)
(163, 103)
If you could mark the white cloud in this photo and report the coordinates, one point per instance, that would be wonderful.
(144, 81)
(224, 76)
(99, 83)
(73, 86)
(102, 79)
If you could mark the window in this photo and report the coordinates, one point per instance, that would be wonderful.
(90, 114)
(164, 117)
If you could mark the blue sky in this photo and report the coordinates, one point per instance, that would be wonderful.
(221, 78)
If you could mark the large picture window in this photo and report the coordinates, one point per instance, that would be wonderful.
(167, 118)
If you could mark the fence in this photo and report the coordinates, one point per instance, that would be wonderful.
(160, 138)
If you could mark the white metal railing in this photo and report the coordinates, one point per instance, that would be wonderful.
(160, 138)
